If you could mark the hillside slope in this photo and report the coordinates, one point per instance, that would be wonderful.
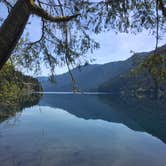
(88, 78)
(138, 83)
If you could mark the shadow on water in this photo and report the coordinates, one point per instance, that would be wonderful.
(140, 115)
(10, 110)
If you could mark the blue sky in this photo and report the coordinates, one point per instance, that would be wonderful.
(114, 47)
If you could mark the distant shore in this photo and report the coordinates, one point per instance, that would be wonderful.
(79, 93)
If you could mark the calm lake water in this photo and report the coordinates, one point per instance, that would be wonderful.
(85, 130)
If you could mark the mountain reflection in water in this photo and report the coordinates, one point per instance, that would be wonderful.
(138, 114)
(85, 130)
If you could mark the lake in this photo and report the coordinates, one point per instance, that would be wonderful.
(85, 130)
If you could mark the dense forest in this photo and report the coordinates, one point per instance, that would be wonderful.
(15, 88)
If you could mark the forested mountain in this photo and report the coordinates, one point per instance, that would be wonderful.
(139, 83)
(88, 78)
(16, 88)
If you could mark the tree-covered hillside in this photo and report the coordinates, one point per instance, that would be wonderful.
(145, 78)
(15, 87)
(88, 78)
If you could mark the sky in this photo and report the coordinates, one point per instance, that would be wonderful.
(113, 47)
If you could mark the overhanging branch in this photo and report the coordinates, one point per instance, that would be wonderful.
(35, 9)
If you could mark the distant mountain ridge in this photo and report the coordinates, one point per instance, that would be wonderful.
(92, 77)
(88, 78)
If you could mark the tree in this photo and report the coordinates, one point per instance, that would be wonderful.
(155, 66)
(94, 16)
(151, 70)
(12, 29)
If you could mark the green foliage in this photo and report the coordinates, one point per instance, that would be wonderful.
(146, 77)
(151, 73)
(154, 65)
(14, 85)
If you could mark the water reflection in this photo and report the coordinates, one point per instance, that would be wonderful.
(52, 136)
(150, 115)
(10, 110)
(140, 115)
(85, 130)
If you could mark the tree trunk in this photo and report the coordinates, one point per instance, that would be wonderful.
(12, 29)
